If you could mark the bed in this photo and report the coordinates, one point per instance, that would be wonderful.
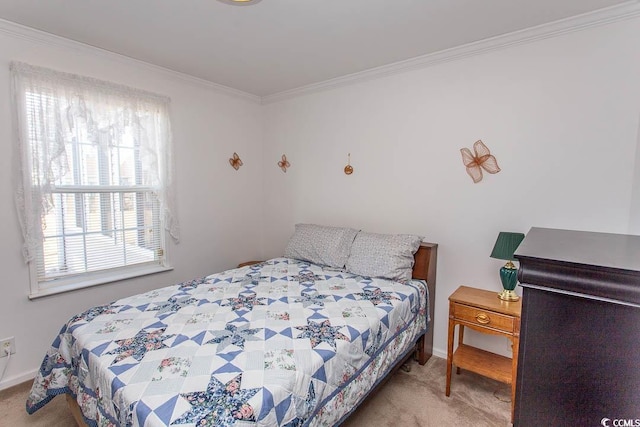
(282, 342)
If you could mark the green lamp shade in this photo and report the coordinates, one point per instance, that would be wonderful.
(506, 245)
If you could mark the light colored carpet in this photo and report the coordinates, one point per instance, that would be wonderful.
(414, 398)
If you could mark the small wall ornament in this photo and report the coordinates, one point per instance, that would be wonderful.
(482, 159)
(235, 161)
(284, 163)
(348, 169)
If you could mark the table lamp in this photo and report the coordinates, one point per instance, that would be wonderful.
(505, 246)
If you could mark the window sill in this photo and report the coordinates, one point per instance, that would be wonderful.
(72, 284)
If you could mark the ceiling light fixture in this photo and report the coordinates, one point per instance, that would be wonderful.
(239, 2)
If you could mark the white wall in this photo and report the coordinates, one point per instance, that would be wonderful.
(220, 218)
(560, 114)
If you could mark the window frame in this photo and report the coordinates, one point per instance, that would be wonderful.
(30, 193)
(40, 289)
(70, 282)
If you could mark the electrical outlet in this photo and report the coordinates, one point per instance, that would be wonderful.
(7, 344)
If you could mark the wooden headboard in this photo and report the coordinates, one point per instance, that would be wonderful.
(425, 257)
(424, 268)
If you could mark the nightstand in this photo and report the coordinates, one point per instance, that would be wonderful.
(484, 312)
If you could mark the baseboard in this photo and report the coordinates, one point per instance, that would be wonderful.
(439, 353)
(18, 379)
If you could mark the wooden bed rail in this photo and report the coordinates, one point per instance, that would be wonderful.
(425, 268)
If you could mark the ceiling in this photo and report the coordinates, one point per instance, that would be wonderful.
(279, 45)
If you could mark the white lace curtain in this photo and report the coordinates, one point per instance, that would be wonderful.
(48, 103)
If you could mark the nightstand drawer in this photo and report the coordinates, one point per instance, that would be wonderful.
(484, 318)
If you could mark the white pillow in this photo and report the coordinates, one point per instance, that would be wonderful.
(321, 244)
(389, 256)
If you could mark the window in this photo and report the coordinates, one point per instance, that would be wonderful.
(95, 193)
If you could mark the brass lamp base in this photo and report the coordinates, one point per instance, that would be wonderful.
(507, 295)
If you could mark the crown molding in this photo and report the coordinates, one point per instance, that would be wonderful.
(581, 22)
(33, 35)
(627, 10)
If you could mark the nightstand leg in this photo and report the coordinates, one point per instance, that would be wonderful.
(450, 355)
(460, 341)
(515, 344)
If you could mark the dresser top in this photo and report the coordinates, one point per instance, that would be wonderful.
(616, 251)
(597, 265)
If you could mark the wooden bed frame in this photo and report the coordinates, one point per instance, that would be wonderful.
(424, 268)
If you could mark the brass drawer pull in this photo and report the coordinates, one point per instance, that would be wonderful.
(483, 318)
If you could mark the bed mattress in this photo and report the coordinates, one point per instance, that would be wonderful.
(283, 342)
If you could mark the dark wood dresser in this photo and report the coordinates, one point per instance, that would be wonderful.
(579, 355)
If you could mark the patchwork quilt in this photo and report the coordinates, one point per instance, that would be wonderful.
(283, 342)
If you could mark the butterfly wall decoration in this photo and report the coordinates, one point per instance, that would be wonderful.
(284, 163)
(235, 161)
(482, 159)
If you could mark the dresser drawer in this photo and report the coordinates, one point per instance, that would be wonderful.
(484, 318)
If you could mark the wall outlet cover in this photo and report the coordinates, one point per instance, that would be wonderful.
(7, 343)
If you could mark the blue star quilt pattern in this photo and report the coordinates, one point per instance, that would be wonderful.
(280, 343)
